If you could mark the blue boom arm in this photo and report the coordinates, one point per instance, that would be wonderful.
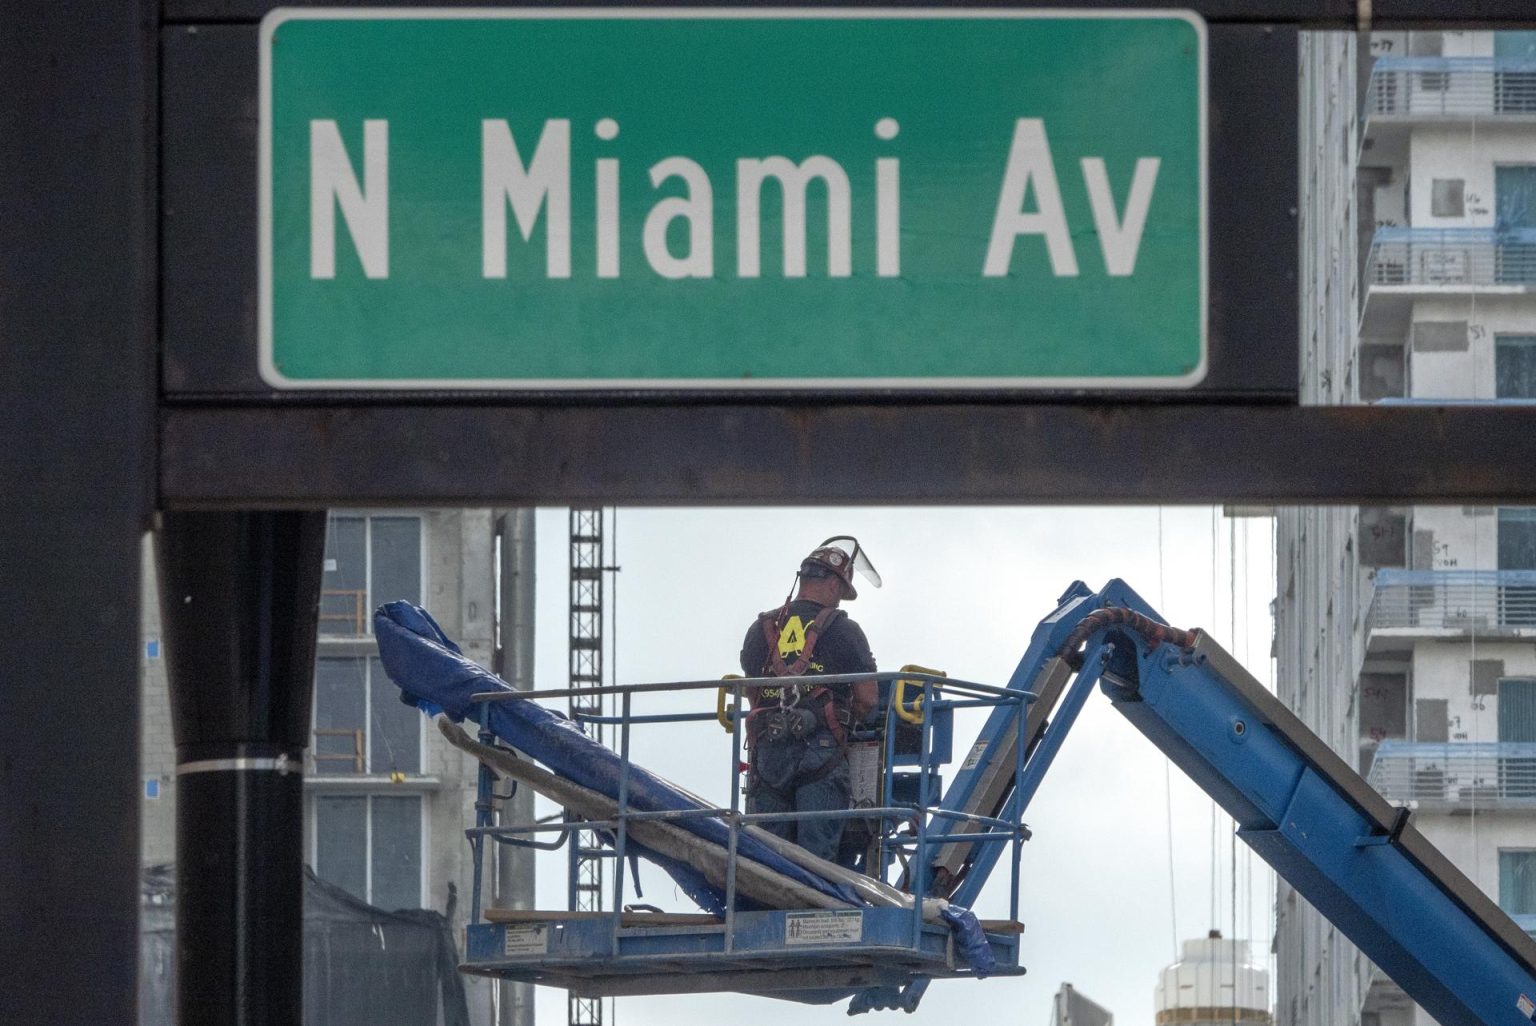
(1356, 858)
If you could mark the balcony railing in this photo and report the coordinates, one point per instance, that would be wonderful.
(1454, 600)
(1438, 87)
(1484, 774)
(1467, 257)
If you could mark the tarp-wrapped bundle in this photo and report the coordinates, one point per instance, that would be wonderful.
(585, 776)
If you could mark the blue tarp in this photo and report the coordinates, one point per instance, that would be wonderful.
(437, 677)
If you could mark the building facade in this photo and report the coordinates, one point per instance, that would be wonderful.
(1405, 636)
(386, 798)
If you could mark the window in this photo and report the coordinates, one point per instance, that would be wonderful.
(1514, 366)
(1517, 737)
(369, 560)
(1514, 188)
(1517, 551)
(1517, 882)
(1514, 77)
(1517, 539)
(370, 846)
(361, 726)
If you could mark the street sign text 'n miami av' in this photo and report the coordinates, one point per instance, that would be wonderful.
(789, 199)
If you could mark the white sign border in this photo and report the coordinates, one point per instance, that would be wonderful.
(274, 377)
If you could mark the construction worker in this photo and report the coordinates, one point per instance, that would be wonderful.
(797, 734)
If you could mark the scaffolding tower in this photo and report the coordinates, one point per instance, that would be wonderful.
(586, 670)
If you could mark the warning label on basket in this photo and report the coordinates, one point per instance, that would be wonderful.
(864, 773)
(1527, 1007)
(823, 927)
(527, 939)
(974, 759)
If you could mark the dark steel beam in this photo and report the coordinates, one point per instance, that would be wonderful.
(239, 593)
(1451, 14)
(1320, 14)
(886, 453)
(77, 264)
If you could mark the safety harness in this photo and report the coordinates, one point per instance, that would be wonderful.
(833, 713)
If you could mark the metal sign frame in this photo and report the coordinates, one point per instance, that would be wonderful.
(102, 433)
(210, 291)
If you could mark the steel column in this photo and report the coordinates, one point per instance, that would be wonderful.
(240, 592)
(77, 456)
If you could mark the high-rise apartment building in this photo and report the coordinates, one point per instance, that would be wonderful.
(1405, 636)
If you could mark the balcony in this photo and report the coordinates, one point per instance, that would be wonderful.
(1411, 605)
(1452, 259)
(1404, 263)
(1456, 776)
(1450, 89)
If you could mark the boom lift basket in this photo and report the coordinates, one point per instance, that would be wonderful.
(807, 954)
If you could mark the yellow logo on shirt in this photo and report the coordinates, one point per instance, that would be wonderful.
(792, 638)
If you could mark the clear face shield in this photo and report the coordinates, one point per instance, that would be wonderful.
(860, 559)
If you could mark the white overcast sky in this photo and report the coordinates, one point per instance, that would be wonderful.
(964, 589)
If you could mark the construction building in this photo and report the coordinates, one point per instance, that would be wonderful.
(386, 798)
(1404, 636)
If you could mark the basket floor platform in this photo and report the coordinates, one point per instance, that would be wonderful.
(661, 953)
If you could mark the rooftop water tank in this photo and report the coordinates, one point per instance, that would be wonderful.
(1215, 981)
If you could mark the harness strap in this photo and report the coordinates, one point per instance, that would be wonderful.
(777, 667)
(772, 632)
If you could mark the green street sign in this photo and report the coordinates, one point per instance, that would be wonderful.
(742, 199)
